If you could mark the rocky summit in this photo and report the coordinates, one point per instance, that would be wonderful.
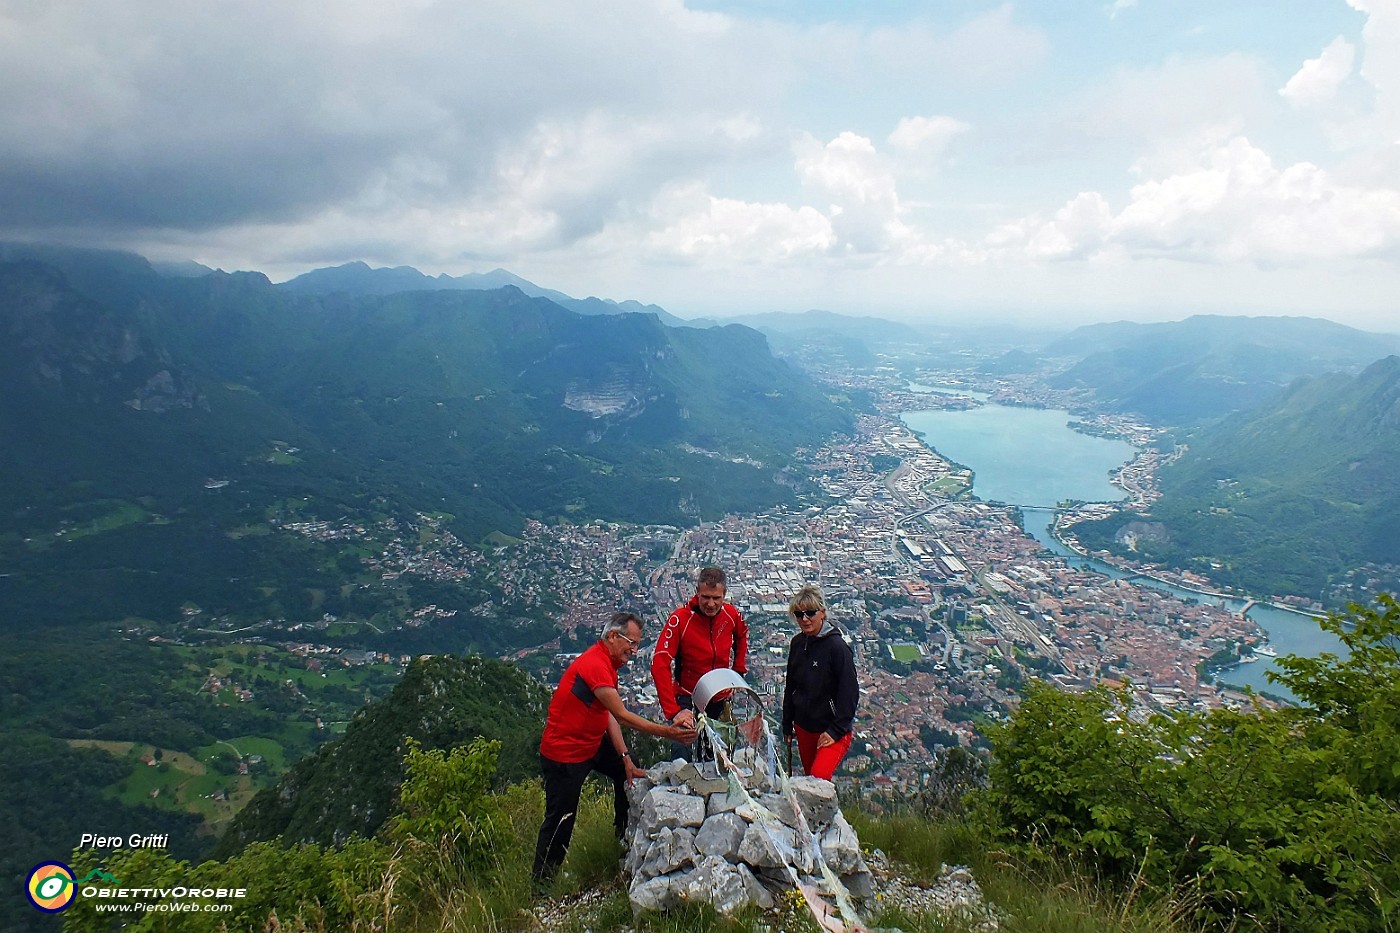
(738, 834)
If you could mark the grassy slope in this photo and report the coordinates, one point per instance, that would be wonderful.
(590, 893)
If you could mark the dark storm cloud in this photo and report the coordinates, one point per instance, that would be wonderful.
(149, 115)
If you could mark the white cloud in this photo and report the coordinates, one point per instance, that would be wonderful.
(992, 48)
(1235, 206)
(160, 115)
(860, 187)
(1316, 83)
(1380, 65)
(729, 230)
(1156, 106)
(1079, 228)
(926, 136)
(628, 142)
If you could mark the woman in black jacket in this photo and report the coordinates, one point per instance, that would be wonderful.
(819, 698)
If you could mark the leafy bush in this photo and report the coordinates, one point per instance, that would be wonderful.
(305, 887)
(443, 837)
(448, 824)
(1286, 818)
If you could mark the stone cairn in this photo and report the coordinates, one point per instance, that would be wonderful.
(737, 831)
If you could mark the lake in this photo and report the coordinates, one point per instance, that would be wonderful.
(1030, 457)
(1024, 456)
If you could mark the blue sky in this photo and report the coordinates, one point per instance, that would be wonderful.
(963, 160)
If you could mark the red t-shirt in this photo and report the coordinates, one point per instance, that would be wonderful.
(577, 722)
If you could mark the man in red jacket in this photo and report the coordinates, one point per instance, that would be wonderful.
(700, 636)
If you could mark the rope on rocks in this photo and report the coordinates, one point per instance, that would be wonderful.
(845, 919)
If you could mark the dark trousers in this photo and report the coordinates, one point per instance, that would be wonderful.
(563, 783)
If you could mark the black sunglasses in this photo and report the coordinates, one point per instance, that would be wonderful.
(806, 613)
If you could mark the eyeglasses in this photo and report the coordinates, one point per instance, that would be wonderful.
(807, 613)
(633, 642)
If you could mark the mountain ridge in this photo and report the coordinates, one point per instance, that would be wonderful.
(1207, 366)
(1287, 497)
(418, 398)
(359, 278)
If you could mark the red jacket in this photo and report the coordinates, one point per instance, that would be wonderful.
(702, 645)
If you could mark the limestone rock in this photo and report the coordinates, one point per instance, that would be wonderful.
(653, 894)
(721, 835)
(725, 886)
(668, 807)
(781, 807)
(702, 782)
(840, 845)
(817, 798)
(860, 884)
(663, 771)
(770, 847)
(722, 803)
(670, 850)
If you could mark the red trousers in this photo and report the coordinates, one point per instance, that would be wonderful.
(820, 762)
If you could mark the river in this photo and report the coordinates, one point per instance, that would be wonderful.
(1030, 457)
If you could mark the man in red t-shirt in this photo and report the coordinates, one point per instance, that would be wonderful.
(582, 734)
(700, 636)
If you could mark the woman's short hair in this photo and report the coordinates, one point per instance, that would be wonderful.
(809, 597)
(618, 623)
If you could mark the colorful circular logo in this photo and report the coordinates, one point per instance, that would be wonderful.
(51, 887)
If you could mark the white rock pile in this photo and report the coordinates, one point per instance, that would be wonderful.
(691, 839)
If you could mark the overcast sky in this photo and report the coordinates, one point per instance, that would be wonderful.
(1065, 162)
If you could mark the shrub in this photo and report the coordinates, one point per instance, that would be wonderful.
(447, 823)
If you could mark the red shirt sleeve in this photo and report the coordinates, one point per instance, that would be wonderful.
(663, 660)
(741, 643)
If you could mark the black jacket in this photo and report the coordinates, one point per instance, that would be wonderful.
(821, 692)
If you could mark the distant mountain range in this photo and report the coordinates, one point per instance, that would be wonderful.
(1289, 497)
(152, 414)
(1184, 372)
(357, 278)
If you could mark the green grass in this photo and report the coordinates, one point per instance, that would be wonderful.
(948, 486)
(1052, 898)
(590, 890)
(121, 515)
(906, 653)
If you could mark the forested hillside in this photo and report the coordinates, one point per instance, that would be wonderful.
(1293, 497)
(152, 416)
(348, 786)
(196, 460)
(1190, 371)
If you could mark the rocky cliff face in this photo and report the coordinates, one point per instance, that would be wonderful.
(60, 344)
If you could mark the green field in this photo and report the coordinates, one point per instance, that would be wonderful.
(948, 486)
(906, 653)
(206, 779)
